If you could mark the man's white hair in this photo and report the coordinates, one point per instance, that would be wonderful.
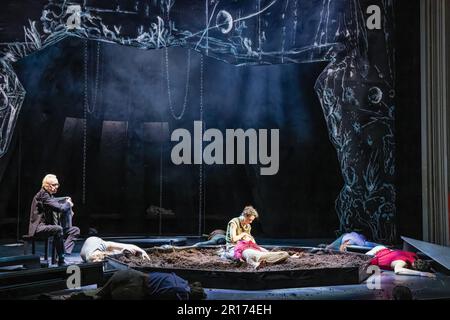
(47, 178)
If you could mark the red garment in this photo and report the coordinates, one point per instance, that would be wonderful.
(243, 245)
(385, 257)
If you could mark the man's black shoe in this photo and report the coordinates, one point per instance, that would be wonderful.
(62, 264)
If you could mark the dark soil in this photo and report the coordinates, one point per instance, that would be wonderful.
(209, 259)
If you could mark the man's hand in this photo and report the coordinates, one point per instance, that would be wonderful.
(144, 255)
(244, 235)
(69, 200)
(136, 251)
(129, 249)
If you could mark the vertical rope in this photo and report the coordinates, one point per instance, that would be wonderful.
(160, 183)
(161, 157)
(207, 25)
(19, 174)
(201, 108)
(201, 155)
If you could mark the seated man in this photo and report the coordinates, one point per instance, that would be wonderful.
(216, 237)
(95, 249)
(401, 262)
(350, 239)
(52, 216)
(240, 227)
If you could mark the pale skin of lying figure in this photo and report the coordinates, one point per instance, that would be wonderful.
(116, 248)
(401, 267)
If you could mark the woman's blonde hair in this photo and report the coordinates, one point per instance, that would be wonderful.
(249, 211)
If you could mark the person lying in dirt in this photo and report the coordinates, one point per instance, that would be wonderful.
(247, 250)
(401, 262)
(96, 249)
(216, 237)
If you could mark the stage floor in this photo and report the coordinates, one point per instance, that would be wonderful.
(421, 288)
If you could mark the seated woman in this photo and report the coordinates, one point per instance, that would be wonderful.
(401, 262)
(350, 239)
(95, 249)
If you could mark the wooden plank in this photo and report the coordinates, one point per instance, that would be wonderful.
(28, 261)
(91, 273)
(438, 253)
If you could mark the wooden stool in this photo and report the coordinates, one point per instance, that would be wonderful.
(49, 244)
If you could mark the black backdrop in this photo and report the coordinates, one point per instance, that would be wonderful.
(128, 132)
(38, 146)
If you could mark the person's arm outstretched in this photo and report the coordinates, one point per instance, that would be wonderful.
(400, 267)
(135, 250)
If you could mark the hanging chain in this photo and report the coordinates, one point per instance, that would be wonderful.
(169, 91)
(201, 151)
(86, 77)
(85, 114)
(96, 81)
(87, 110)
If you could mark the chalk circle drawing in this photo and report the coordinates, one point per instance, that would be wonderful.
(224, 18)
(375, 95)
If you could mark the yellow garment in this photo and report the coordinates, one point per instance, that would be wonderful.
(239, 229)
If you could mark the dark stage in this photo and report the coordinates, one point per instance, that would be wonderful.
(139, 127)
(421, 288)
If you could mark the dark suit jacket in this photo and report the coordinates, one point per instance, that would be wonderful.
(42, 208)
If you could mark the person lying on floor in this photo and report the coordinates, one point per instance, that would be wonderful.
(350, 239)
(96, 249)
(215, 238)
(131, 284)
(401, 262)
